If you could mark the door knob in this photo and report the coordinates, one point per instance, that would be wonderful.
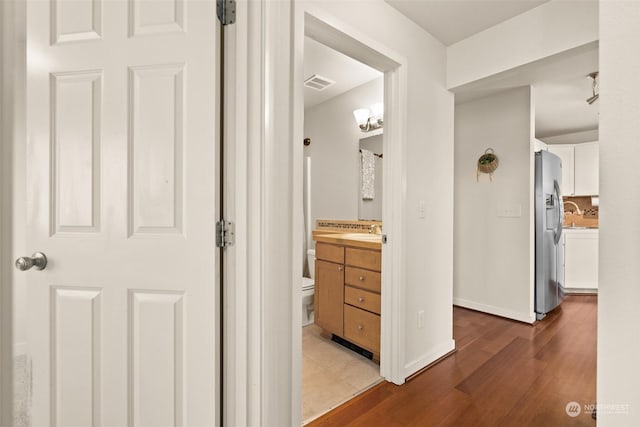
(37, 260)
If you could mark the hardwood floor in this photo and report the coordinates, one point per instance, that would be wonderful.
(504, 373)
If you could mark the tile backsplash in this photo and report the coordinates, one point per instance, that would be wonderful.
(589, 217)
(346, 226)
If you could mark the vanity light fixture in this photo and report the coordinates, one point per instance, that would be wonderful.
(594, 86)
(369, 120)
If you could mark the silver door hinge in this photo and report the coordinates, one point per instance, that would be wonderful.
(225, 233)
(226, 11)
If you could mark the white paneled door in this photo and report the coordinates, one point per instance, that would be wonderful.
(121, 197)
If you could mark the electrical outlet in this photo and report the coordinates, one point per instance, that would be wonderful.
(421, 319)
(422, 207)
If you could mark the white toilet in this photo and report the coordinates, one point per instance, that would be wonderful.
(307, 290)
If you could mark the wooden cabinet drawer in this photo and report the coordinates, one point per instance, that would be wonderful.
(362, 299)
(328, 252)
(362, 328)
(365, 279)
(363, 258)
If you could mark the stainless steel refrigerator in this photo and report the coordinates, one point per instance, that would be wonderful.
(549, 291)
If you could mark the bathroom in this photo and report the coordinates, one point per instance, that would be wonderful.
(335, 201)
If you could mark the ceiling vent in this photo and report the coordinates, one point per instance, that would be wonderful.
(318, 83)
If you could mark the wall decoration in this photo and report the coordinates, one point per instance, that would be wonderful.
(487, 163)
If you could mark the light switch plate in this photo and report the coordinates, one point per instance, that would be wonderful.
(510, 211)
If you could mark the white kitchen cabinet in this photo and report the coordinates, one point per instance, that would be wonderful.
(580, 168)
(566, 154)
(539, 145)
(587, 164)
(580, 260)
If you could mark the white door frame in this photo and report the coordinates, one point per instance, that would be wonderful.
(339, 36)
(263, 133)
(260, 272)
(8, 44)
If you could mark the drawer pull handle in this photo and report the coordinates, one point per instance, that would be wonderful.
(340, 268)
(361, 278)
(360, 327)
(360, 299)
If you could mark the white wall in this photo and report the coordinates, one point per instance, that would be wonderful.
(492, 253)
(549, 29)
(429, 135)
(335, 160)
(618, 290)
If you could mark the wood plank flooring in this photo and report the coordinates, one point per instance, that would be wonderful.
(504, 373)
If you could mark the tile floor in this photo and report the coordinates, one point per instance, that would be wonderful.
(331, 374)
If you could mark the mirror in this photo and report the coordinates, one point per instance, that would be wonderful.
(370, 205)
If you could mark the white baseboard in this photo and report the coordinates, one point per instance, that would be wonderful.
(580, 291)
(19, 348)
(440, 350)
(581, 285)
(498, 311)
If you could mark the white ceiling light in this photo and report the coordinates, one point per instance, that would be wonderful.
(369, 120)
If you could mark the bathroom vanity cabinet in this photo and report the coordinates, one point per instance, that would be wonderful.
(347, 292)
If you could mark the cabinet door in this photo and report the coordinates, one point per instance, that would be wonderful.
(539, 145)
(329, 296)
(565, 152)
(581, 260)
(587, 163)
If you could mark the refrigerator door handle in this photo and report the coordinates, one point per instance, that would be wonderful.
(560, 208)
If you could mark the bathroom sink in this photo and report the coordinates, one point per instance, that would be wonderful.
(363, 236)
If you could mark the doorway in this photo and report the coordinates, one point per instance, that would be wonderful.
(330, 32)
(335, 370)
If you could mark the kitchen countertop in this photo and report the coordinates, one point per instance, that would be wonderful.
(358, 240)
(580, 228)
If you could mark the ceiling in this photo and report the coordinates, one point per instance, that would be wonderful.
(453, 20)
(561, 87)
(560, 82)
(561, 107)
(326, 62)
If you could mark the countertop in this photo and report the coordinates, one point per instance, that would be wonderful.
(579, 228)
(357, 240)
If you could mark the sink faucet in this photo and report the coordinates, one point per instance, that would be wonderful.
(375, 229)
(578, 211)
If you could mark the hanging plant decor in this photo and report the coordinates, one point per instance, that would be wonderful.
(487, 163)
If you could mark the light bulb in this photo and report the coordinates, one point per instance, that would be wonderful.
(361, 115)
(377, 110)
